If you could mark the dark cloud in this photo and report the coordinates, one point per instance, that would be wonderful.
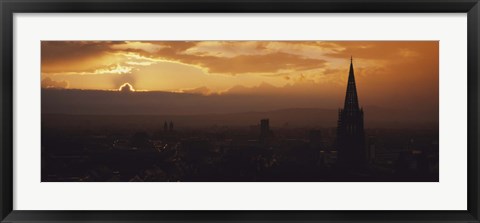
(54, 51)
(50, 83)
(383, 50)
(57, 56)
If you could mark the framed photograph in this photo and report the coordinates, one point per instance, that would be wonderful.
(233, 111)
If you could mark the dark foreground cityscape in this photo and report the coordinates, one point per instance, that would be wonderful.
(102, 150)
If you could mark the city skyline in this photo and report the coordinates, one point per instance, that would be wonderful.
(268, 133)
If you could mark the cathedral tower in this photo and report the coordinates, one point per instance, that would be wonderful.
(350, 140)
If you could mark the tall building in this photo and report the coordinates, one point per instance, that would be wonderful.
(165, 127)
(170, 128)
(350, 140)
(264, 129)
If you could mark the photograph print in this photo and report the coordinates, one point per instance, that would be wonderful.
(239, 111)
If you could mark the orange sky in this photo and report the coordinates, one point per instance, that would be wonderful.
(387, 72)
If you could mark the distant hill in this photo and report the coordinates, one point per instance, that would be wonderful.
(76, 107)
(163, 103)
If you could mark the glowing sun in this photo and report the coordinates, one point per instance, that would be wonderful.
(126, 87)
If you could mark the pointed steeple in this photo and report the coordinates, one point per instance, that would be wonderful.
(350, 140)
(351, 98)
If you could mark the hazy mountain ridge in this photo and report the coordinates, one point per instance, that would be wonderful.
(164, 103)
(153, 108)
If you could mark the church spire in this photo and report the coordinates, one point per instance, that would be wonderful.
(351, 98)
(350, 141)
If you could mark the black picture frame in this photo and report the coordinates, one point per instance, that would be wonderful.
(9, 7)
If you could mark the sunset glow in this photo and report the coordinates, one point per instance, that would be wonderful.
(127, 87)
(240, 111)
(383, 68)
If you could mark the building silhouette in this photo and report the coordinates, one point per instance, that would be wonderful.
(170, 128)
(265, 132)
(350, 141)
